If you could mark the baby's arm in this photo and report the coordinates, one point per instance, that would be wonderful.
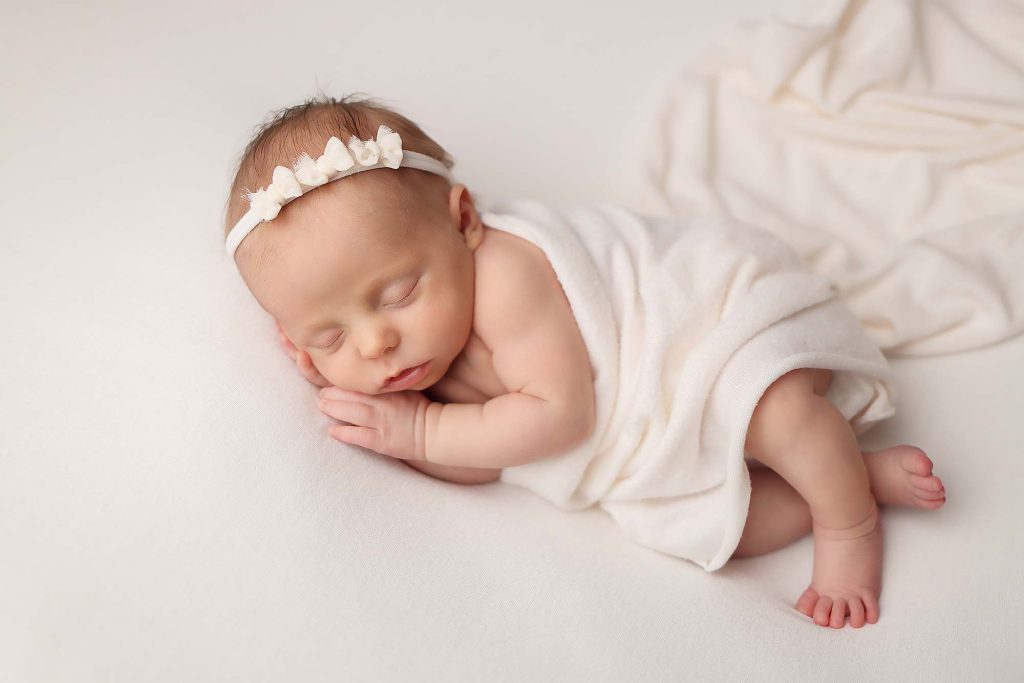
(458, 475)
(512, 429)
(522, 315)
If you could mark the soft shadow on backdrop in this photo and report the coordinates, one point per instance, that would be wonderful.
(171, 507)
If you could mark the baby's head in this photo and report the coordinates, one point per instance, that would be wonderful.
(371, 273)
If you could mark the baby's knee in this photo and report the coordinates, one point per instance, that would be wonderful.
(799, 384)
(787, 406)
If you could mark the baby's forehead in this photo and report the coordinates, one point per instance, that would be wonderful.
(303, 280)
(370, 214)
(351, 226)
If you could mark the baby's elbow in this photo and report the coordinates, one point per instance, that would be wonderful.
(578, 425)
(455, 475)
(486, 478)
(588, 427)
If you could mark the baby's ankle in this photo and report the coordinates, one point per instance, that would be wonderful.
(866, 525)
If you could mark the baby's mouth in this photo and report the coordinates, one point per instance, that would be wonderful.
(397, 374)
(394, 379)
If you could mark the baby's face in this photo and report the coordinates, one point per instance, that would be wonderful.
(373, 283)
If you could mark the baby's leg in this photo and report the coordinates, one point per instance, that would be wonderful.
(797, 432)
(778, 515)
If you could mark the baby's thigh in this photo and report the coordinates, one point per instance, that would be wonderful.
(784, 407)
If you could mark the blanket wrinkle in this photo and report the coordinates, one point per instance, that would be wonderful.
(883, 140)
(686, 320)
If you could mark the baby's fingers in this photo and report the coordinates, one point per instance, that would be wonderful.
(353, 412)
(356, 436)
(309, 371)
(285, 342)
(301, 358)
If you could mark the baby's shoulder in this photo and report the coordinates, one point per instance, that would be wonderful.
(525, 319)
(510, 268)
(502, 247)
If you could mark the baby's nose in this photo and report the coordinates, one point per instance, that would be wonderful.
(374, 345)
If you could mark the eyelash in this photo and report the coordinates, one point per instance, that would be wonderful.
(335, 340)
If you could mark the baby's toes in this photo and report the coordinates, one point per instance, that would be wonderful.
(805, 604)
(838, 613)
(930, 504)
(822, 610)
(871, 608)
(927, 485)
(930, 483)
(914, 460)
(856, 612)
(928, 496)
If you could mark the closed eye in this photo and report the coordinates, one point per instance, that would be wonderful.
(407, 295)
(335, 340)
(329, 344)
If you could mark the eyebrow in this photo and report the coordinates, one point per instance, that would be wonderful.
(375, 287)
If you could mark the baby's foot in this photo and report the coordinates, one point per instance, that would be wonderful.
(847, 575)
(902, 475)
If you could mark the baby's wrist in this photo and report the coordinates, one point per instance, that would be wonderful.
(431, 420)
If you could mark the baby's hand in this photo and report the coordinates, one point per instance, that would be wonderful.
(301, 359)
(394, 424)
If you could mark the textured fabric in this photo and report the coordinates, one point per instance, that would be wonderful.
(883, 140)
(687, 321)
(171, 506)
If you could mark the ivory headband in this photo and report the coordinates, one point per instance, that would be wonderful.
(335, 163)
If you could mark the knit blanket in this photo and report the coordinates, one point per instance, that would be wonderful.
(883, 140)
(686, 322)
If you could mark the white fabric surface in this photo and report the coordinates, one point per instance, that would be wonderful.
(171, 507)
(686, 321)
(884, 140)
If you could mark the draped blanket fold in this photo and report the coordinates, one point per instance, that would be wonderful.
(686, 322)
(882, 139)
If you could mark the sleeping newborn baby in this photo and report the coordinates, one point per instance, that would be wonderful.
(688, 375)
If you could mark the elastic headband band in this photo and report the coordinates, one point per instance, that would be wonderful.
(335, 163)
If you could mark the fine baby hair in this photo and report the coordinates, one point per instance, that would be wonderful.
(322, 140)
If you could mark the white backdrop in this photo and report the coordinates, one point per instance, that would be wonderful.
(171, 507)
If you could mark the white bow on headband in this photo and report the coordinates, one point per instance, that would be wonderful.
(336, 162)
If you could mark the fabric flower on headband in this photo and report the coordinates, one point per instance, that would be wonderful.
(306, 174)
